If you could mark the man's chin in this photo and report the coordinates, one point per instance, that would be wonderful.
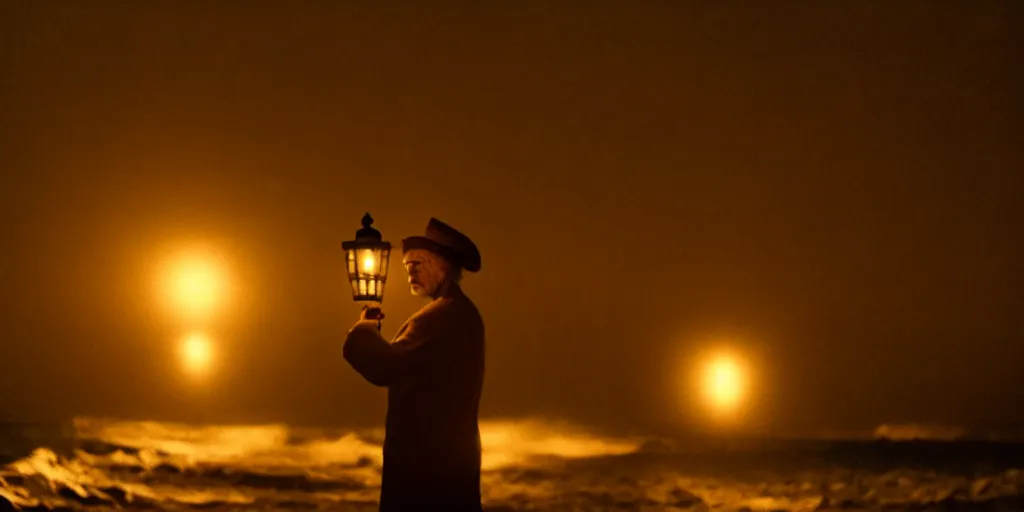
(417, 290)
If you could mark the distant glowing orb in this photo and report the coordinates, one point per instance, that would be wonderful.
(196, 353)
(724, 383)
(194, 283)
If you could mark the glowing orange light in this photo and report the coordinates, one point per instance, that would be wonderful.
(724, 383)
(369, 262)
(196, 353)
(194, 283)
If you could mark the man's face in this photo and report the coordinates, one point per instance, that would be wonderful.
(426, 271)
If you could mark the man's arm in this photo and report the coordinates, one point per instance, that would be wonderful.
(382, 363)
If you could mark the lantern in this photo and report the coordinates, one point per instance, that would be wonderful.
(366, 258)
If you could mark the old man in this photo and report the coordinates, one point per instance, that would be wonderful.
(434, 370)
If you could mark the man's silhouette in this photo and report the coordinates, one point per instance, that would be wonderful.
(434, 370)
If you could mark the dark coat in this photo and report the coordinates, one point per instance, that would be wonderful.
(434, 370)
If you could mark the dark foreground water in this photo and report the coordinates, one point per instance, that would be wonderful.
(97, 464)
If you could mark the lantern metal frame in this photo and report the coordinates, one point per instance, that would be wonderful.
(367, 286)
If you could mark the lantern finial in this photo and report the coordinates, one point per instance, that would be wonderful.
(368, 233)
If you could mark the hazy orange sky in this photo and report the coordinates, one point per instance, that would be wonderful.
(834, 191)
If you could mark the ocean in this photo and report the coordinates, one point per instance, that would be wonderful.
(107, 464)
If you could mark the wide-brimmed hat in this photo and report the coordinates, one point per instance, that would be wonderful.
(446, 241)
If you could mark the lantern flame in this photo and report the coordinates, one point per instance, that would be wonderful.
(369, 263)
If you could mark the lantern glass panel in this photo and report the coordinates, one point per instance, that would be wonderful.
(385, 256)
(371, 263)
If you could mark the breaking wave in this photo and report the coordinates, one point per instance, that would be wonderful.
(99, 464)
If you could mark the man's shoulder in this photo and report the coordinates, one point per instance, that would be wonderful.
(455, 307)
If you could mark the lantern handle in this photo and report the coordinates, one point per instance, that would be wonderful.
(373, 313)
